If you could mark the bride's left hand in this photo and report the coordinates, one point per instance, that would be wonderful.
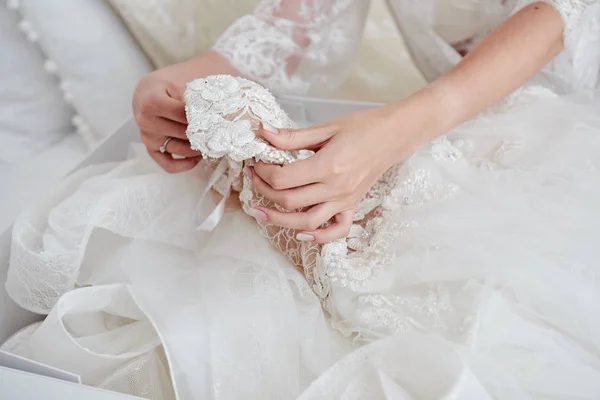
(355, 150)
(352, 152)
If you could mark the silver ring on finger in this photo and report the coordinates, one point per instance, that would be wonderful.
(163, 148)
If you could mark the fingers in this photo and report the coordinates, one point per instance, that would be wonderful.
(171, 109)
(181, 148)
(338, 230)
(160, 114)
(308, 221)
(174, 146)
(159, 101)
(297, 139)
(290, 199)
(160, 127)
(293, 175)
(174, 165)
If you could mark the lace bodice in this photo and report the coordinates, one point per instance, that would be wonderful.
(303, 46)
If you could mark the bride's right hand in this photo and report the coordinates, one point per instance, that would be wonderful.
(159, 109)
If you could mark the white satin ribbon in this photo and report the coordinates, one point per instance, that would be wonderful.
(209, 223)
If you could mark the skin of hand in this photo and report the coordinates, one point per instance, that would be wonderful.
(159, 109)
(352, 152)
(335, 179)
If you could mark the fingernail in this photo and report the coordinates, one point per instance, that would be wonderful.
(250, 172)
(258, 215)
(270, 128)
(305, 237)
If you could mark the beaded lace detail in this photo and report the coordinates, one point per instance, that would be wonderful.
(406, 313)
(223, 114)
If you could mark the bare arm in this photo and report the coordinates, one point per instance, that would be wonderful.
(511, 55)
(348, 161)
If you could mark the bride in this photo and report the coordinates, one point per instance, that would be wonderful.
(398, 263)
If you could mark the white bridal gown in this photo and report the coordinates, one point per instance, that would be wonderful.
(471, 271)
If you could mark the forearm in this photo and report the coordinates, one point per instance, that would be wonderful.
(511, 55)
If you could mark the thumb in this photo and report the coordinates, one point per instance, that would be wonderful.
(296, 139)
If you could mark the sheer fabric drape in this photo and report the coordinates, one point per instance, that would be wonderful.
(305, 46)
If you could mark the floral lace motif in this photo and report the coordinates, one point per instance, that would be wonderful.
(301, 46)
(223, 113)
(420, 311)
(295, 46)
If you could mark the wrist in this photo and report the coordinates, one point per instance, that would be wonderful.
(423, 117)
(210, 63)
(446, 106)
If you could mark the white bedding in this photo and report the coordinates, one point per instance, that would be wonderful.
(61, 93)
(33, 114)
(24, 180)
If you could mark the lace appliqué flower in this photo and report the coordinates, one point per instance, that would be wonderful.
(216, 88)
(223, 114)
(422, 311)
(217, 137)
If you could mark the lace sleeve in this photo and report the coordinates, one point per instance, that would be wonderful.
(572, 12)
(296, 46)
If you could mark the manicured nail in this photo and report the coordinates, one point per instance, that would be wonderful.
(258, 215)
(250, 172)
(305, 237)
(270, 128)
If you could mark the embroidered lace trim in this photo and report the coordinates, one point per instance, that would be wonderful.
(223, 113)
(305, 46)
(295, 46)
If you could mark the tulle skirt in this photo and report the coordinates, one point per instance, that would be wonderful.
(490, 290)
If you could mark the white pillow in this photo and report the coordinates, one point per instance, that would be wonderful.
(93, 53)
(33, 114)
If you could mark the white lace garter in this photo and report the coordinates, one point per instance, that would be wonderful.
(223, 115)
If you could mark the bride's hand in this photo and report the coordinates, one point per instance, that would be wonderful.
(159, 112)
(159, 109)
(352, 153)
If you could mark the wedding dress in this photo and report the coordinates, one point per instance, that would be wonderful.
(317, 38)
(470, 271)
